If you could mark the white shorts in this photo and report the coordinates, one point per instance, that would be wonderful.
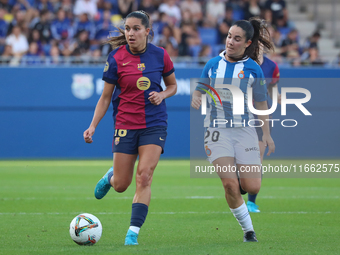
(239, 143)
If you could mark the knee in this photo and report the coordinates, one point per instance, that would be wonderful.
(144, 178)
(251, 188)
(231, 186)
(120, 186)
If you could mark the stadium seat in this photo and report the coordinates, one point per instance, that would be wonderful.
(209, 36)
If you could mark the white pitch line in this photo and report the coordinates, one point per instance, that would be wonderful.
(187, 197)
(171, 213)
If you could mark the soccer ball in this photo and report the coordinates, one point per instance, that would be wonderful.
(85, 229)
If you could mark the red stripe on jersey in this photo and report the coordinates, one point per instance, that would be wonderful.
(131, 107)
(168, 65)
(276, 74)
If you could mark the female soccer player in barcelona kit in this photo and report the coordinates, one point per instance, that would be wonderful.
(135, 67)
(272, 74)
(233, 140)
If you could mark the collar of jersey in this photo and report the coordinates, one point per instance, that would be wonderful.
(242, 60)
(128, 49)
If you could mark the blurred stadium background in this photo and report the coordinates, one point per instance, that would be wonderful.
(52, 57)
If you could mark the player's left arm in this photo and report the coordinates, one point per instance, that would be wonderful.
(171, 88)
(260, 98)
(266, 138)
(273, 84)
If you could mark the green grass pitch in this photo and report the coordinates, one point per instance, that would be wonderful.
(38, 200)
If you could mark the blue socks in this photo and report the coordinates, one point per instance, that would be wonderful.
(109, 176)
(252, 198)
(138, 214)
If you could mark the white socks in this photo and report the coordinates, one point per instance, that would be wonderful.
(242, 215)
(134, 229)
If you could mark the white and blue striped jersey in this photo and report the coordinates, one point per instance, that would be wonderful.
(242, 74)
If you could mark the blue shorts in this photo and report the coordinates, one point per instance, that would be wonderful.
(128, 140)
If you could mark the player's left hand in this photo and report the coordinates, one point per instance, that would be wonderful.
(155, 98)
(279, 99)
(268, 142)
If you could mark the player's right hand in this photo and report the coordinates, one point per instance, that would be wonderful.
(88, 133)
(196, 102)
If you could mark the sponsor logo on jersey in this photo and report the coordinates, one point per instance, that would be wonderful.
(124, 64)
(106, 67)
(262, 82)
(143, 83)
(241, 75)
(141, 67)
(82, 86)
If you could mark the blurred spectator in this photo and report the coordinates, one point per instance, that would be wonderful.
(206, 51)
(6, 55)
(55, 55)
(85, 6)
(66, 5)
(3, 30)
(84, 24)
(96, 57)
(4, 4)
(167, 40)
(225, 24)
(189, 38)
(7, 51)
(149, 7)
(215, 10)
(337, 60)
(82, 44)
(311, 56)
(282, 26)
(251, 9)
(278, 9)
(172, 10)
(23, 5)
(195, 8)
(61, 27)
(127, 6)
(32, 56)
(312, 41)
(35, 37)
(205, 54)
(18, 20)
(290, 45)
(43, 26)
(109, 5)
(18, 42)
(43, 5)
(104, 26)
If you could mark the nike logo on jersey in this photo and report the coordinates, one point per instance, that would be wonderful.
(124, 64)
(160, 138)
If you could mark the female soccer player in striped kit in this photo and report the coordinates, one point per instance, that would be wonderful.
(136, 68)
(224, 143)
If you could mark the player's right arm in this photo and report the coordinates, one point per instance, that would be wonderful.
(101, 108)
(196, 99)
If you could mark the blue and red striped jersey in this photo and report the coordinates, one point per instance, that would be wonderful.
(271, 71)
(136, 75)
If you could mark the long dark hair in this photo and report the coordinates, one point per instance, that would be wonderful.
(255, 30)
(117, 41)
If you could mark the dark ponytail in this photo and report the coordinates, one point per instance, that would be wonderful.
(255, 30)
(117, 41)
